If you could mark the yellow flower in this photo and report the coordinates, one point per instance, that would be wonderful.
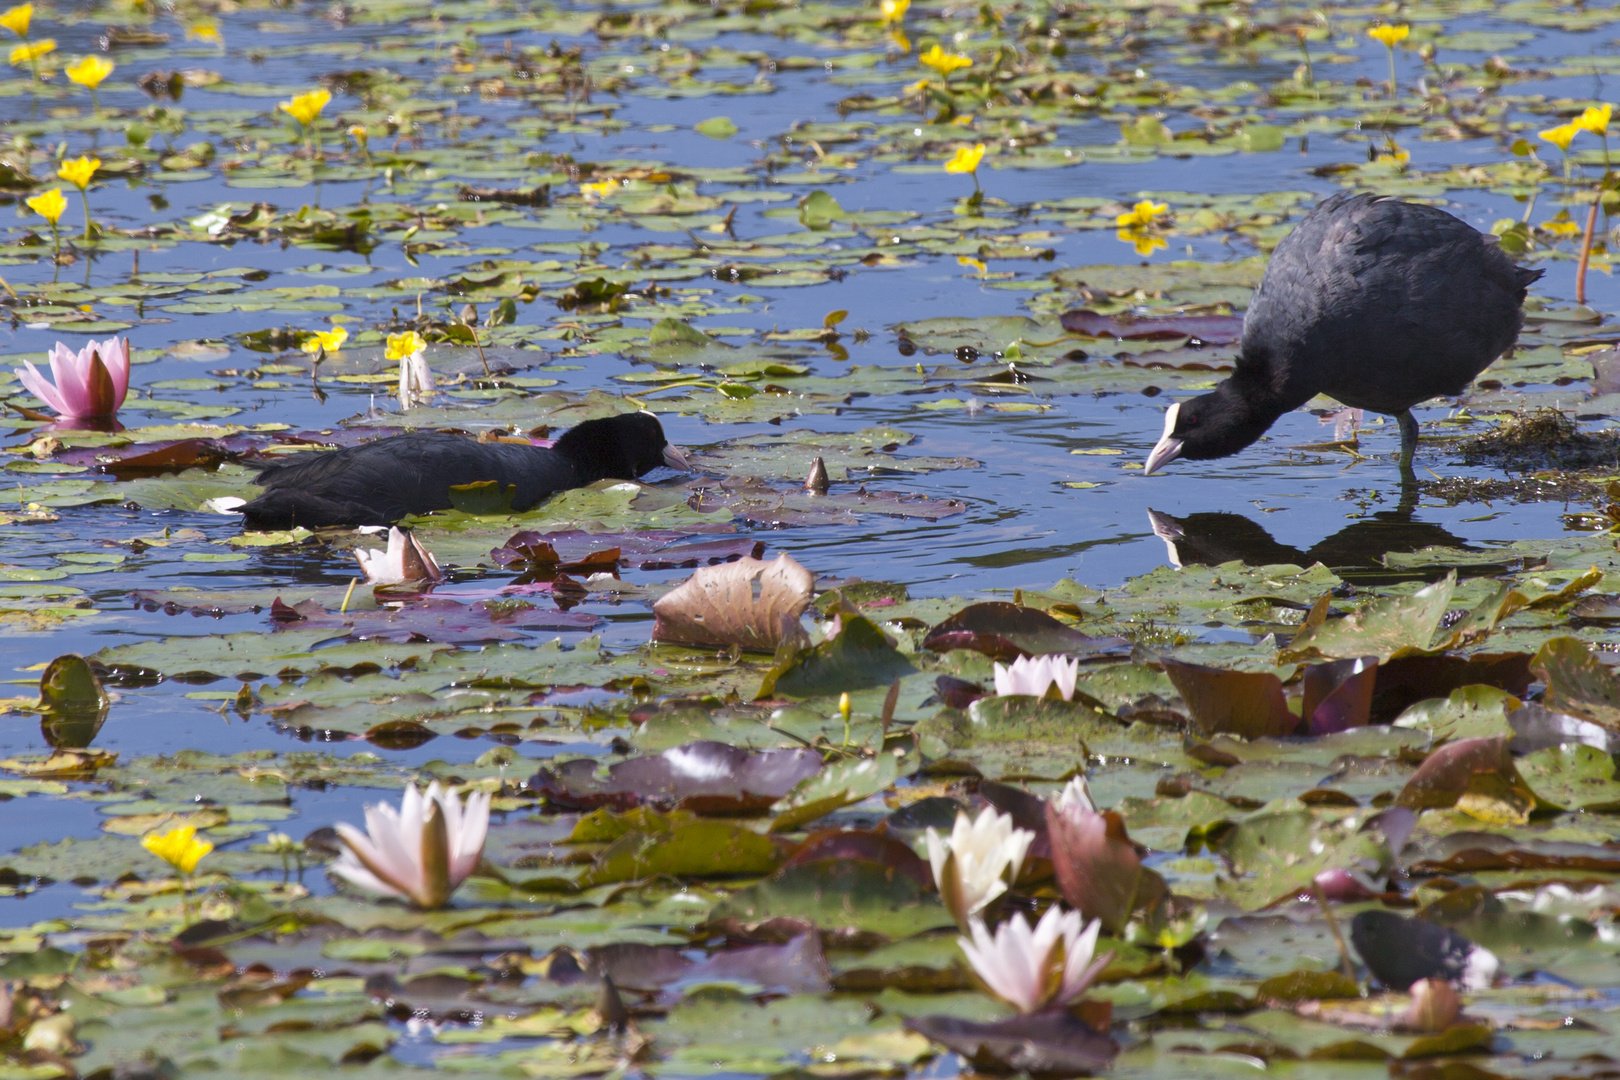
(48, 205)
(402, 345)
(17, 19)
(1561, 136)
(204, 30)
(1561, 225)
(1146, 243)
(891, 10)
(968, 260)
(360, 135)
(90, 71)
(180, 847)
(1142, 213)
(914, 88)
(599, 190)
(331, 340)
(1389, 35)
(942, 61)
(27, 54)
(79, 171)
(305, 108)
(966, 160)
(1394, 155)
(899, 39)
(1595, 119)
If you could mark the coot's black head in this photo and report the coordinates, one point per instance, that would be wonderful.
(1214, 425)
(623, 447)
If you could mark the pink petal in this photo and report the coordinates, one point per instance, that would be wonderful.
(115, 354)
(41, 387)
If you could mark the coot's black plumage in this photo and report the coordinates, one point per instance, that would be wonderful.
(1400, 951)
(380, 482)
(1379, 303)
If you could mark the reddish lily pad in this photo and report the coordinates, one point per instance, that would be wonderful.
(1006, 631)
(705, 777)
(1246, 703)
(1051, 1043)
(1205, 329)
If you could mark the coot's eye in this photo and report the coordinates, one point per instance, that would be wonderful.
(1190, 421)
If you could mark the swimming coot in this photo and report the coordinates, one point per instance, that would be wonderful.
(1379, 303)
(380, 482)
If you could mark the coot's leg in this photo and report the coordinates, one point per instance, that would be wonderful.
(1409, 439)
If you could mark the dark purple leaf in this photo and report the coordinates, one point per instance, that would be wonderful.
(1407, 680)
(797, 966)
(1099, 870)
(1338, 694)
(705, 777)
(1045, 1043)
(865, 845)
(1006, 631)
(1246, 703)
(957, 693)
(1209, 329)
(434, 618)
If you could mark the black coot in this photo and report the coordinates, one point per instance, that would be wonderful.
(380, 482)
(1379, 303)
(1401, 951)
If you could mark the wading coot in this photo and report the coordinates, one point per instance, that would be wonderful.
(380, 482)
(1379, 303)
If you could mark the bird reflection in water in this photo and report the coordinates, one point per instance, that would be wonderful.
(1212, 538)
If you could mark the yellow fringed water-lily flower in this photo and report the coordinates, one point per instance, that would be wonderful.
(331, 340)
(1142, 213)
(402, 345)
(49, 205)
(1560, 136)
(90, 72)
(18, 18)
(599, 190)
(204, 30)
(1595, 119)
(893, 10)
(180, 847)
(944, 62)
(966, 159)
(306, 108)
(1389, 35)
(33, 50)
(79, 171)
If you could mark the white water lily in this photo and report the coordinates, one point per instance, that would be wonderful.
(1076, 793)
(1031, 675)
(982, 857)
(415, 377)
(1030, 969)
(421, 852)
(405, 560)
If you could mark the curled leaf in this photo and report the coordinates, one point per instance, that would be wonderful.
(747, 603)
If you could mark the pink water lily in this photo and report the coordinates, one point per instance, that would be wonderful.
(1030, 969)
(89, 383)
(421, 852)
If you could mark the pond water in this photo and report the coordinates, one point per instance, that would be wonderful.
(549, 164)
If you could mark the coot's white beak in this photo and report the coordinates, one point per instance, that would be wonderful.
(1166, 529)
(675, 459)
(1168, 448)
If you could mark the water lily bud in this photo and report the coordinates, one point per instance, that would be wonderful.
(816, 483)
(1434, 1006)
